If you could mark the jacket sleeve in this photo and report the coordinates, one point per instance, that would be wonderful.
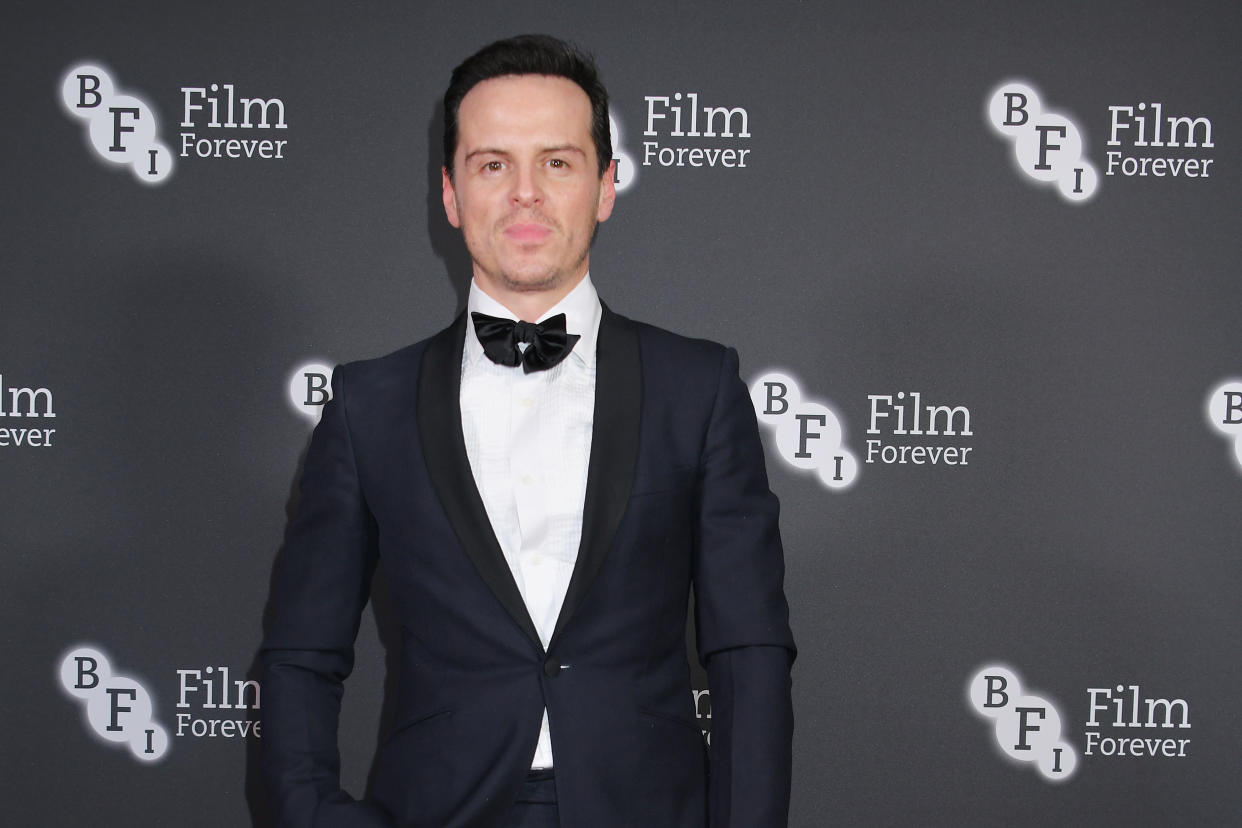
(320, 586)
(742, 618)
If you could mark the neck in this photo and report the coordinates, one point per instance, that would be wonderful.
(529, 305)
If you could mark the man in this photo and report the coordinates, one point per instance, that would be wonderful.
(543, 483)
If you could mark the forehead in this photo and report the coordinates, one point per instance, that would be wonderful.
(523, 109)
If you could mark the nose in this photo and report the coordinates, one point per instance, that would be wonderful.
(526, 188)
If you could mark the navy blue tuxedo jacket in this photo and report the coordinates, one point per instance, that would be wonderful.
(677, 499)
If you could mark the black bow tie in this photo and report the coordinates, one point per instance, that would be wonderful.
(547, 342)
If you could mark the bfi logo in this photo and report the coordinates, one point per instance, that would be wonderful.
(904, 416)
(1224, 413)
(1145, 125)
(703, 713)
(121, 127)
(310, 388)
(24, 403)
(218, 106)
(1048, 146)
(625, 173)
(1125, 708)
(679, 116)
(212, 689)
(118, 708)
(808, 433)
(1027, 727)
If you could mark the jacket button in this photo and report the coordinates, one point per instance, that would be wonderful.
(551, 668)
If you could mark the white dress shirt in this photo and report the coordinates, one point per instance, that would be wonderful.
(528, 439)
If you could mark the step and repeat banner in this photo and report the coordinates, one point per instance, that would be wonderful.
(982, 263)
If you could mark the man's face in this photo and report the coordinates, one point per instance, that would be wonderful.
(526, 189)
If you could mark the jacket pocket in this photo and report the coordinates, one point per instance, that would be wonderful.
(671, 717)
(419, 719)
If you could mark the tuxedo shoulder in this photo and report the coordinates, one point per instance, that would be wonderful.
(669, 342)
(683, 362)
(396, 371)
(400, 362)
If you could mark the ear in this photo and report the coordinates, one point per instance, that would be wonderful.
(449, 196)
(607, 192)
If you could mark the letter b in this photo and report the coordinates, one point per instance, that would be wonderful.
(1233, 408)
(996, 695)
(88, 85)
(1224, 410)
(1015, 105)
(316, 389)
(774, 396)
(84, 89)
(310, 389)
(87, 668)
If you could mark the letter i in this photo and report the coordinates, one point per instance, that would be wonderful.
(211, 689)
(901, 415)
(677, 117)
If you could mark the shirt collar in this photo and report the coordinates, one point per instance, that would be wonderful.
(582, 314)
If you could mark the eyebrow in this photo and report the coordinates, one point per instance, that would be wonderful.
(565, 148)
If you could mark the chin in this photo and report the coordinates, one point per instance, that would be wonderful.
(531, 282)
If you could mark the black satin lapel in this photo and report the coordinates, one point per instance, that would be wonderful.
(614, 452)
(439, 428)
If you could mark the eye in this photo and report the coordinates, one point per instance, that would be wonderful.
(557, 163)
(494, 166)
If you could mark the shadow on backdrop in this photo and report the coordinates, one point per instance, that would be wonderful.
(446, 242)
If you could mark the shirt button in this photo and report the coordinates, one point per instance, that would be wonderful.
(527, 480)
(527, 402)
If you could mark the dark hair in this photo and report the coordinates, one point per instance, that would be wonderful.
(534, 54)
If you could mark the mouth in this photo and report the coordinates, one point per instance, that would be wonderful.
(527, 232)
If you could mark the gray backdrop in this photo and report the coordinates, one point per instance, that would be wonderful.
(882, 237)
